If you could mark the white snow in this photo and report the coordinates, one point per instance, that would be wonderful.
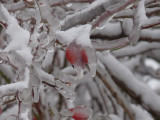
(152, 63)
(80, 34)
(24, 115)
(14, 87)
(12, 111)
(92, 6)
(127, 26)
(19, 37)
(113, 117)
(150, 33)
(141, 13)
(133, 50)
(155, 85)
(141, 114)
(110, 29)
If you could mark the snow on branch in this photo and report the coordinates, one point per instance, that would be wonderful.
(85, 15)
(139, 19)
(110, 45)
(15, 6)
(140, 48)
(136, 89)
(111, 11)
(108, 82)
(13, 88)
(19, 35)
(63, 2)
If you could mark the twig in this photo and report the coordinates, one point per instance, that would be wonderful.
(9, 101)
(114, 92)
(110, 45)
(4, 77)
(131, 85)
(108, 13)
(63, 2)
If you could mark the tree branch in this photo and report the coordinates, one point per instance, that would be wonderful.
(136, 89)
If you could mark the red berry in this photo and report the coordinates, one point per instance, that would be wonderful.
(84, 56)
(80, 113)
(0, 110)
(76, 55)
(34, 118)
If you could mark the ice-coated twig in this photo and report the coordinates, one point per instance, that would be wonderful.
(47, 15)
(129, 13)
(112, 10)
(136, 89)
(25, 115)
(19, 35)
(140, 113)
(15, 6)
(153, 21)
(138, 49)
(13, 59)
(63, 2)
(139, 19)
(85, 15)
(155, 4)
(11, 89)
(42, 75)
(121, 100)
(110, 45)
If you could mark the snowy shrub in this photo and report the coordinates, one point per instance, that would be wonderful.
(79, 59)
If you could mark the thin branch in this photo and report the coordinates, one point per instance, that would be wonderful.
(152, 22)
(110, 45)
(112, 11)
(63, 2)
(15, 6)
(131, 85)
(108, 82)
(140, 48)
(85, 15)
(9, 100)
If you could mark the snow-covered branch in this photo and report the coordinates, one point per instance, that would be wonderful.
(136, 89)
